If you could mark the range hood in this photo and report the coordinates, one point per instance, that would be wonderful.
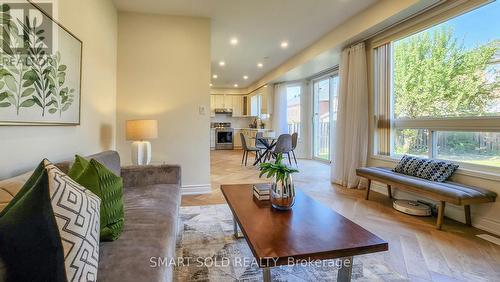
(223, 111)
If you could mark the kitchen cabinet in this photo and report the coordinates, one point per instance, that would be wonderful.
(237, 138)
(228, 101)
(237, 103)
(212, 105)
(219, 101)
(234, 102)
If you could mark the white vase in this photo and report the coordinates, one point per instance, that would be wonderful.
(141, 152)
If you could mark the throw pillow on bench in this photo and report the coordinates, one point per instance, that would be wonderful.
(434, 170)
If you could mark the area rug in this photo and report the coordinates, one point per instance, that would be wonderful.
(207, 251)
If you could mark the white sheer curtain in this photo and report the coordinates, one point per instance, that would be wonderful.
(280, 123)
(350, 147)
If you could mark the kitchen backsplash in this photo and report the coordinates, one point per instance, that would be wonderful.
(236, 122)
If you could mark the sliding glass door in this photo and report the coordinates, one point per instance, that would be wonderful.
(324, 115)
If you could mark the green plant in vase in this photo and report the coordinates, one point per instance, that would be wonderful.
(282, 187)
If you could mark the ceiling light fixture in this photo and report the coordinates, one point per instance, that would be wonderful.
(245, 77)
(235, 85)
(284, 44)
(210, 84)
(222, 63)
(234, 41)
(215, 76)
(260, 65)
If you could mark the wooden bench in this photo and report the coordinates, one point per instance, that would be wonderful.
(451, 192)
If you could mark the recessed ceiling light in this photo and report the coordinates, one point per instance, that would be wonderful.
(284, 44)
(210, 84)
(215, 76)
(245, 77)
(235, 85)
(260, 65)
(234, 41)
(222, 63)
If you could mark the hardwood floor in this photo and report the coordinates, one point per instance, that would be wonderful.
(416, 249)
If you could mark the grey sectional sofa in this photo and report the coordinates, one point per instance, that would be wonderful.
(152, 198)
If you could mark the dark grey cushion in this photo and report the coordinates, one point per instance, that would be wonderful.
(151, 214)
(447, 188)
(110, 159)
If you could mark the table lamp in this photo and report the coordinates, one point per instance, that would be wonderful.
(138, 131)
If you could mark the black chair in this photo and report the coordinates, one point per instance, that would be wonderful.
(295, 138)
(247, 149)
(283, 146)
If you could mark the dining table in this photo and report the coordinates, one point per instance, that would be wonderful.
(269, 143)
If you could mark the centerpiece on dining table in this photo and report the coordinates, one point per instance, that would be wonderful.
(282, 187)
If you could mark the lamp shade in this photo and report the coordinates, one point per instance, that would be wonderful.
(142, 129)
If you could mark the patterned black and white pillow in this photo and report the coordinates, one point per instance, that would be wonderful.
(433, 170)
(436, 170)
(409, 165)
(50, 230)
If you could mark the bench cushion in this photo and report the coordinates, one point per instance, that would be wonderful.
(454, 192)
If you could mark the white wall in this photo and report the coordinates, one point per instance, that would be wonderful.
(23, 147)
(164, 74)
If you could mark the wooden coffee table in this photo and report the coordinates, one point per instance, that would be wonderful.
(309, 232)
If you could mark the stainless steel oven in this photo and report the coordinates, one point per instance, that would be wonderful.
(224, 136)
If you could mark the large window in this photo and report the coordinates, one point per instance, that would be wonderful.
(293, 108)
(438, 90)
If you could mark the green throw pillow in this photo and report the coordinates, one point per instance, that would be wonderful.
(50, 231)
(109, 187)
(78, 167)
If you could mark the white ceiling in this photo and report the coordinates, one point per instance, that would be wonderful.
(259, 25)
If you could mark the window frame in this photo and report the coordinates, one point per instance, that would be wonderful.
(301, 90)
(384, 123)
(331, 75)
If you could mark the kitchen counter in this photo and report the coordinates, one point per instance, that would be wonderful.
(254, 129)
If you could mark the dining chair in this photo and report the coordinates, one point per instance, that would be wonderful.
(295, 138)
(247, 149)
(283, 146)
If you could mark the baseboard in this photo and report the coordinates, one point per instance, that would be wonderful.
(487, 224)
(452, 211)
(196, 189)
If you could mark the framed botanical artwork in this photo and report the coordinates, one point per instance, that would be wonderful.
(40, 67)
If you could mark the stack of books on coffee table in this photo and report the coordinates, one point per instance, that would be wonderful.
(262, 191)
